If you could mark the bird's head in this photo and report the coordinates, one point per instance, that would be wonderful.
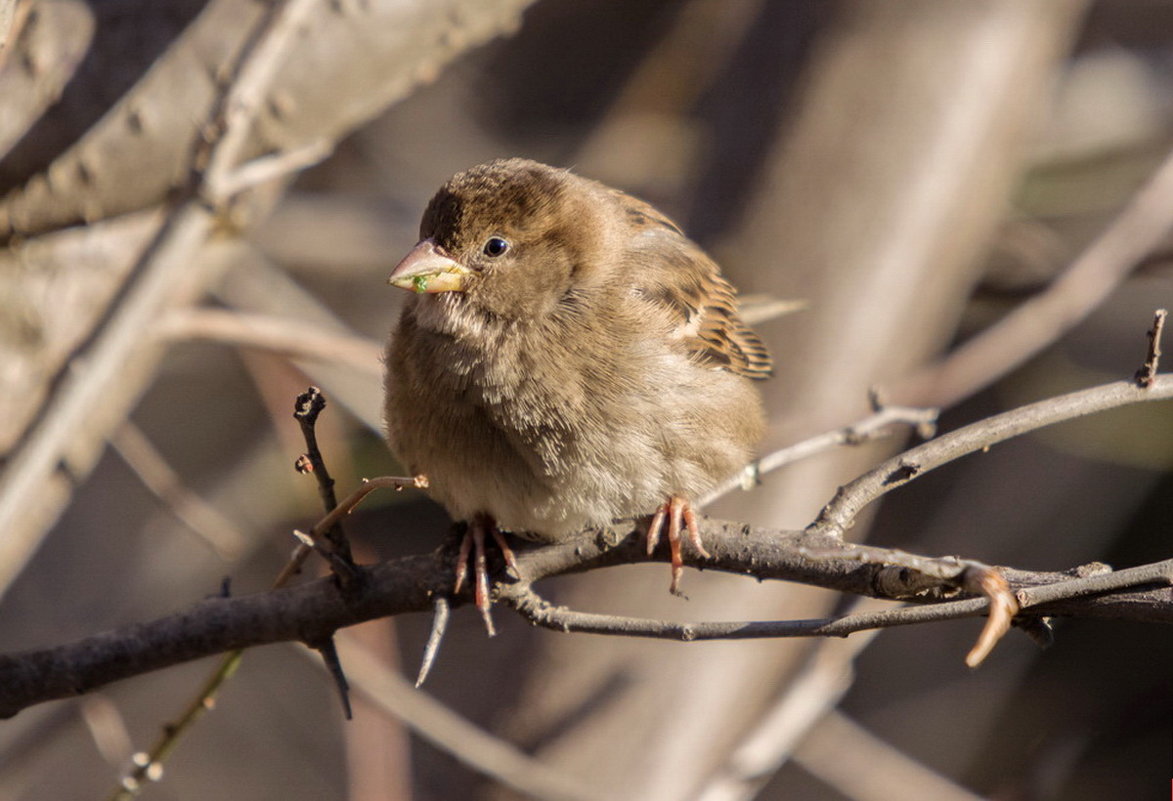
(508, 238)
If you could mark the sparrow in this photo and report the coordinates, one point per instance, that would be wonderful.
(568, 357)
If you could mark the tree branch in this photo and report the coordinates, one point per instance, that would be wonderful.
(816, 556)
(313, 610)
(839, 514)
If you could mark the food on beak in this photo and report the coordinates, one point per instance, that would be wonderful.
(428, 269)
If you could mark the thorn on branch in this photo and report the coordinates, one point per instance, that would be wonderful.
(329, 654)
(1148, 371)
(347, 572)
(1003, 607)
(904, 575)
(440, 614)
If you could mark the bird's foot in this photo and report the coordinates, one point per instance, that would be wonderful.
(677, 513)
(474, 543)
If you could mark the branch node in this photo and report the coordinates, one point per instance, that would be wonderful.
(1093, 569)
(751, 476)
(904, 471)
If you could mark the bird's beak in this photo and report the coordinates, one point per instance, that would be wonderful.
(428, 269)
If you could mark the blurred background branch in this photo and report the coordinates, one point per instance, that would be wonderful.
(914, 171)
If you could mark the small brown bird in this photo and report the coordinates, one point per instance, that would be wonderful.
(570, 357)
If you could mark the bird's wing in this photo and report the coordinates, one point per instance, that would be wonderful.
(671, 272)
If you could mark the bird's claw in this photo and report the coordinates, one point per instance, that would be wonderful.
(678, 514)
(473, 543)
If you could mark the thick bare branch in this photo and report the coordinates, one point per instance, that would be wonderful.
(313, 610)
(244, 107)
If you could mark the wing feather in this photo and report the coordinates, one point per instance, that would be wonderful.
(677, 276)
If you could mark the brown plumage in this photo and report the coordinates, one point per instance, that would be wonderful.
(569, 358)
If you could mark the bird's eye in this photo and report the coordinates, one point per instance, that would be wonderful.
(496, 246)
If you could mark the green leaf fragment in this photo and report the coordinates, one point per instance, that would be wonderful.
(420, 284)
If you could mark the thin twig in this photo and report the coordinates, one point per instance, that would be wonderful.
(306, 409)
(369, 485)
(878, 424)
(188, 507)
(272, 166)
(276, 37)
(327, 537)
(148, 766)
(1139, 228)
(309, 404)
(536, 610)
(997, 602)
(1148, 371)
(855, 762)
(1159, 574)
(839, 514)
(289, 337)
(480, 750)
(804, 700)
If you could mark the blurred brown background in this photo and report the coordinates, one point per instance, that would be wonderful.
(913, 169)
